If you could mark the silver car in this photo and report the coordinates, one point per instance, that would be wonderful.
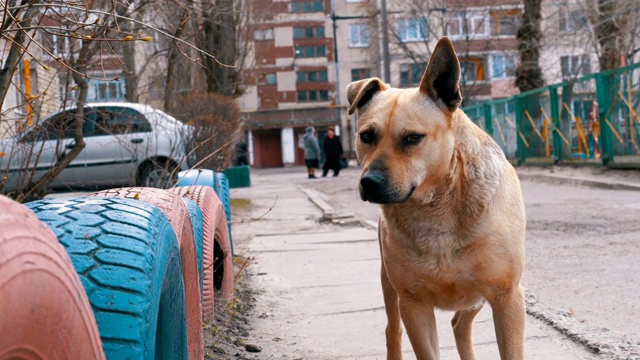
(126, 144)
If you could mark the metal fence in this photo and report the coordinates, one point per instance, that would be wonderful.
(593, 119)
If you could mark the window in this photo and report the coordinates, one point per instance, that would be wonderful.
(265, 34)
(470, 24)
(472, 69)
(308, 32)
(359, 74)
(505, 22)
(313, 95)
(312, 76)
(359, 35)
(411, 74)
(502, 66)
(307, 6)
(572, 20)
(271, 79)
(101, 90)
(311, 51)
(59, 126)
(574, 66)
(58, 45)
(118, 120)
(412, 29)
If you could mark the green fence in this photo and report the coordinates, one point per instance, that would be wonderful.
(593, 119)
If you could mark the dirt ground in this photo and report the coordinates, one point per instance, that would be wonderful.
(225, 337)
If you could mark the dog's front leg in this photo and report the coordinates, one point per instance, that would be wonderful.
(420, 322)
(509, 318)
(394, 329)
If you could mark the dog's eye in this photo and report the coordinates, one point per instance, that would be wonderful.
(366, 137)
(412, 139)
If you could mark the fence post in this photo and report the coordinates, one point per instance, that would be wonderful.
(558, 147)
(604, 101)
(488, 122)
(521, 151)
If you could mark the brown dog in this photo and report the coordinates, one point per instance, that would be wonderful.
(453, 223)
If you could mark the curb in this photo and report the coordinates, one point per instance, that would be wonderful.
(564, 180)
(598, 340)
(329, 214)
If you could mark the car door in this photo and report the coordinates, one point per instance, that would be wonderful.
(44, 146)
(115, 145)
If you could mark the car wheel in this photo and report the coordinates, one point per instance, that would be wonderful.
(174, 209)
(157, 174)
(217, 259)
(128, 259)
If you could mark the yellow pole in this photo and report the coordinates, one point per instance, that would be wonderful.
(27, 91)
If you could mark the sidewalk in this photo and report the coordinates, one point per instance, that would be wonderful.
(318, 291)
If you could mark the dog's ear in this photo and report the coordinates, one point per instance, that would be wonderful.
(442, 77)
(361, 91)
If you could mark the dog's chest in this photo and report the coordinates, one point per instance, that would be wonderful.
(430, 265)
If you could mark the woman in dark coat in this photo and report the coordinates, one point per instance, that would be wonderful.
(332, 152)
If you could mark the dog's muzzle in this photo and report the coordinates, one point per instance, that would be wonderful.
(375, 188)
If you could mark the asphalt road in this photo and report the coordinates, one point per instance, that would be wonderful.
(583, 247)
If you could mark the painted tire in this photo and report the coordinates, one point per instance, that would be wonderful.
(128, 259)
(197, 177)
(217, 259)
(223, 194)
(45, 311)
(174, 209)
(195, 214)
(220, 184)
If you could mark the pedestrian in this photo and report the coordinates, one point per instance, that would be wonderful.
(241, 153)
(332, 152)
(311, 151)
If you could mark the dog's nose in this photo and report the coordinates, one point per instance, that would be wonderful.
(372, 182)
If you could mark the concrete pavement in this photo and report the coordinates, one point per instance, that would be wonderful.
(318, 292)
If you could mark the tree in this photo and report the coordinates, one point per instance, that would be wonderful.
(77, 42)
(528, 73)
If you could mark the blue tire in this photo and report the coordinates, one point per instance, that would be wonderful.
(197, 223)
(202, 177)
(128, 259)
(222, 185)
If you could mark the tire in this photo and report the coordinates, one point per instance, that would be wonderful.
(174, 209)
(128, 259)
(195, 214)
(46, 313)
(157, 174)
(217, 259)
(222, 185)
(197, 177)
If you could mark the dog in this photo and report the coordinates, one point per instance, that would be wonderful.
(452, 225)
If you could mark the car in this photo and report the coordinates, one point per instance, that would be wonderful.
(125, 144)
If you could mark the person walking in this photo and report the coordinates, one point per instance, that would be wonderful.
(332, 147)
(311, 151)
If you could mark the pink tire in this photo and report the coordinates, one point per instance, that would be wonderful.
(217, 259)
(45, 311)
(174, 209)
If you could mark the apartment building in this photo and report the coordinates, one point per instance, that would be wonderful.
(307, 51)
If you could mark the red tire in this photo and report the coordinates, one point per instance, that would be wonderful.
(174, 209)
(45, 311)
(217, 260)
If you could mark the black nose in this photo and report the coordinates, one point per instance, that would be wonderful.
(373, 182)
